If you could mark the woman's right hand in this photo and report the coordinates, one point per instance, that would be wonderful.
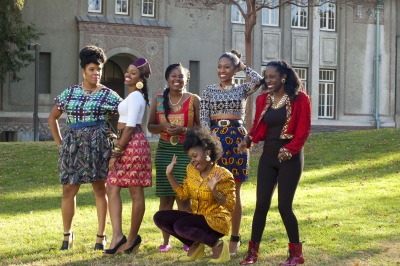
(164, 127)
(243, 146)
(170, 167)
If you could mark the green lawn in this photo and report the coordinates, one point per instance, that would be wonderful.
(347, 205)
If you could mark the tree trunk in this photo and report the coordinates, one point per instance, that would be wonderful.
(249, 62)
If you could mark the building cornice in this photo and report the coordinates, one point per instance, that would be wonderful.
(123, 26)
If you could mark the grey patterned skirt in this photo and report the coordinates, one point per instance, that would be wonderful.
(84, 155)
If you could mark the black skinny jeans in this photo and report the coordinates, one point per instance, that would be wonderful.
(286, 176)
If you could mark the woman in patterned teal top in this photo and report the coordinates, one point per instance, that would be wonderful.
(84, 148)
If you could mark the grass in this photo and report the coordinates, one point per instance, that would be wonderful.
(347, 205)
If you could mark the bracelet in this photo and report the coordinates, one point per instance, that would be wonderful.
(118, 148)
(115, 154)
(117, 151)
(219, 196)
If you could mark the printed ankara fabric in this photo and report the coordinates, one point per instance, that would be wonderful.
(133, 168)
(84, 155)
(232, 159)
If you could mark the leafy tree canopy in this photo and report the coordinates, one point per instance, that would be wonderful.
(15, 36)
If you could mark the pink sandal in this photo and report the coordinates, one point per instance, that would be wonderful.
(164, 248)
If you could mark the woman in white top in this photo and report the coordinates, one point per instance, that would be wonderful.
(130, 163)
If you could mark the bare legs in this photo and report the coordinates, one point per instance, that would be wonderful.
(115, 209)
(68, 207)
(236, 218)
(99, 189)
(167, 203)
(138, 208)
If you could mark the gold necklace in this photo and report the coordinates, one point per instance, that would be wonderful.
(279, 104)
(87, 92)
(225, 87)
(175, 104)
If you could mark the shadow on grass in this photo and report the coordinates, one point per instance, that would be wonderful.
(21, 204)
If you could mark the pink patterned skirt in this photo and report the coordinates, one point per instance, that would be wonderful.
(133, 168)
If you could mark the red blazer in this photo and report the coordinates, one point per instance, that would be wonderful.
(298, 121)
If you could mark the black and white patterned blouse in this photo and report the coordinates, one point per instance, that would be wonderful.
(216, 101)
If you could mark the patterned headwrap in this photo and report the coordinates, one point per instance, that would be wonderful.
(143, 66)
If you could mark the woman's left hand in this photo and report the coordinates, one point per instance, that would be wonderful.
(284, 155)
(242, 66)
(212, 182)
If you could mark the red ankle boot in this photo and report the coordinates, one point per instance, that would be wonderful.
(295, 255)
(252, 254)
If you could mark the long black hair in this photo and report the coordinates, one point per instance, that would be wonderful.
(145, 90)
(293, 83)
(168, 71)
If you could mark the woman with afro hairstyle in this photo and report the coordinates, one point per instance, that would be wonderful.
(212, 191)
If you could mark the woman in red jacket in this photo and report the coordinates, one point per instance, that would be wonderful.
(283, 121)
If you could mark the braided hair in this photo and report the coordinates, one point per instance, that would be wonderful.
(293, 83)
(168, 71)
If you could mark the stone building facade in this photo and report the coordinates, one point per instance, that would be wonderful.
(348, 64)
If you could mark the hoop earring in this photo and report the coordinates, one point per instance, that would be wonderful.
(283, 81)
(139, 85)
(208, 158)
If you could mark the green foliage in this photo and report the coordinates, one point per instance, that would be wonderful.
(15, 35)
(346, 205)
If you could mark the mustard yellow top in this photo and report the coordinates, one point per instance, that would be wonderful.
(194, 186)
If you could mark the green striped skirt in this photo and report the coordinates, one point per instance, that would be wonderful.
(165, 151)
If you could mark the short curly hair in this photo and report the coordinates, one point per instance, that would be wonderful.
(200, 136)
(92, 54)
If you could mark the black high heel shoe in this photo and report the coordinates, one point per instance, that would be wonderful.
(100, 246)
(135, 245)
(117, 249)
(66, 244)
